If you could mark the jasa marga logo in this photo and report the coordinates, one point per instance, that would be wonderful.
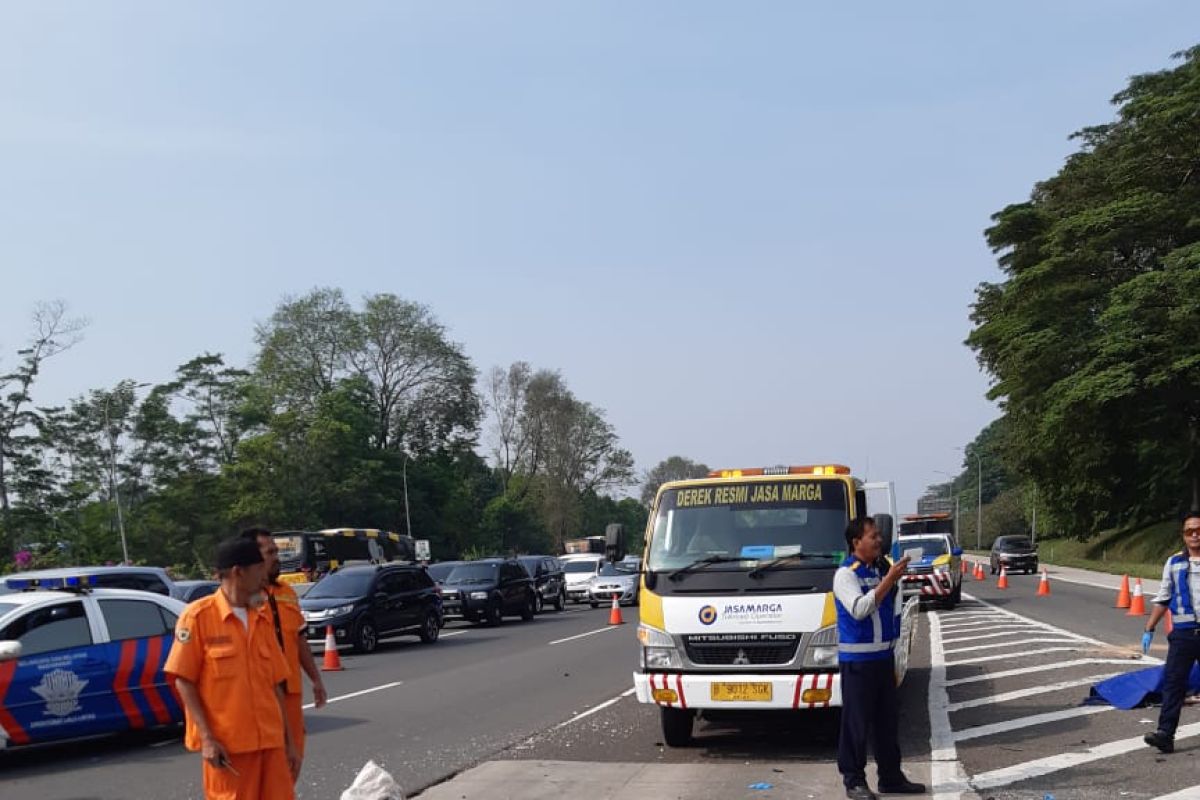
(708, 615)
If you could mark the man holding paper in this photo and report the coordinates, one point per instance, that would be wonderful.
(869, 605)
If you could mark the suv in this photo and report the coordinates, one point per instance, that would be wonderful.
(937, 575)
(1014, 553)
(369, 602)
(488, 590)
(549, 581)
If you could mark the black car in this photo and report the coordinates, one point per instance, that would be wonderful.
(441, 570)
(1014, 553)
(368, 602)
(488, 590)
(194, 590)
(549, 581)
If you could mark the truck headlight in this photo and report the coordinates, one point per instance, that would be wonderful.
(658, 649)
(479, 595)
(822, 648)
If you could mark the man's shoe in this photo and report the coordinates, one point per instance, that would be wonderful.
(1160, 740)
(860, 792)
(902, 786)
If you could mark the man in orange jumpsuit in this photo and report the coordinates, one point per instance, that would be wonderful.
(288, 622)
(229, 670)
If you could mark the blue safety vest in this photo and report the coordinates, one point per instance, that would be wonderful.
(872, 637)
(1183, 613)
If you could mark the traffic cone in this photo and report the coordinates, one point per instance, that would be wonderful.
(1123, 593)
(1044, 584)
(1137, 604)
(333, 662)
(1003, 582)
(979, 571)
(614, 616)
(1170, 622)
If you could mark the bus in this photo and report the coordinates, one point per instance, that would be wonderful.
(737, 609)
(304, 556)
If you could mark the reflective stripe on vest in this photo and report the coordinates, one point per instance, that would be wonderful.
(1183, 612)
(861, 639)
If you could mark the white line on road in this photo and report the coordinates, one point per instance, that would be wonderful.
(589, 633)
(1190, 793)
(1019, 654)
(980, 731)
(1056, 763)
(452, 633)
(994, 645)
(976, 637)
(1042, 624)
(594, 709)
(1030, 692)
(1012, 673)
(391, 685)
(946, 772)
(969, 627)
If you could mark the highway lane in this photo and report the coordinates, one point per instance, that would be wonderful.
(445, 707)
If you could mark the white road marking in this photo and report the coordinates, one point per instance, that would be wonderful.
(1021, 654)
(596, 708)
(980, 731)
(994, 645)
(176, 740)
(589, 633)
(373, 689)
(445, 634)
(946, 772)
(1030, 692)
(976, 637)
(969, 627)
(1012, 673)
(1044, 625)
(1190, 793)
(1044, 766)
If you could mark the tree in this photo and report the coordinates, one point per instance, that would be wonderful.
(53, 333)
(674, 468)
(1095, 393)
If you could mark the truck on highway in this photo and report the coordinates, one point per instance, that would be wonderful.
(737, 607)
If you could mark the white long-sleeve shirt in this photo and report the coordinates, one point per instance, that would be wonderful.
(849, 593)
(1167, 588)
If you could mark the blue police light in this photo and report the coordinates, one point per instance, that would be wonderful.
(67, 583)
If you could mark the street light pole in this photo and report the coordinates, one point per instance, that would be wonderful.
(112, 474)
(979, 507)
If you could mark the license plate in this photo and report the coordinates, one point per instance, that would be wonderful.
(740, 692)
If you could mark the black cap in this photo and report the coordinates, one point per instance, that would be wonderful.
(238, 552)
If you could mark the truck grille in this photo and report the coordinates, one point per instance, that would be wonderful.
(741, 649)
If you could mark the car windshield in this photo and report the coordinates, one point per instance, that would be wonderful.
(930, 546)
(1019, 543)
(341, 584)
(587, 565)
(290, 547)
(473, 573)
(738, 525)
(439, 572)
(612, 570)
(530, 565)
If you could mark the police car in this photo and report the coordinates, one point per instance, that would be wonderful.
(77, 661)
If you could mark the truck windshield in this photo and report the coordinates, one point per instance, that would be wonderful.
(748, 523)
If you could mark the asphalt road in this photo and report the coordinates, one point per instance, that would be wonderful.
(442, 708)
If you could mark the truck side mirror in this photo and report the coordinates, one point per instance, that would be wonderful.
(885, 525)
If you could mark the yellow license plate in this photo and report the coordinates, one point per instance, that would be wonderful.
(740, 692)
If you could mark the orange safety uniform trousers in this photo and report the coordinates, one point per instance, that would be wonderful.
(257, 775)
(293, 705)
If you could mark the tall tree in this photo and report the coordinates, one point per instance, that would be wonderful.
(674, 468)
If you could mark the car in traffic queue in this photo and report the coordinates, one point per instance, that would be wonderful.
(614, 580)
(579, 571)
(549, 581)
(488, 590)
(441, 570)
(365, 603)
(936, 575)
(1014, 553)
(81, 661)
(194, 590)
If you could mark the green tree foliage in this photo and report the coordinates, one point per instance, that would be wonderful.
(675, 468)
(1092, 337)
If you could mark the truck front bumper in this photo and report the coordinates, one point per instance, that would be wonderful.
(693, 690)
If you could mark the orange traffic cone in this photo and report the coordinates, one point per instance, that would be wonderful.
(979, 571)
(614, 616)
(1003, 582)
(333, 662)
(1170, 622)
(1137, 604)
(1044, 584)
(1123, 593)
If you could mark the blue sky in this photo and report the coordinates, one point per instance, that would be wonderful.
(750, 231)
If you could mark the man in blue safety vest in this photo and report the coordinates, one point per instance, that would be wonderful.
(1178, 593)
(868, 614)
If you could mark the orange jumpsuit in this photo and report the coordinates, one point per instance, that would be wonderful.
(291, 625)
(236, 669)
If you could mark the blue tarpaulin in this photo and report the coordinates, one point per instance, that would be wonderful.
(1139, 688)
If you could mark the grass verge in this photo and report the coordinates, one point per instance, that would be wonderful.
(1138, 552)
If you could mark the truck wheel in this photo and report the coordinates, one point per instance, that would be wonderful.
(955, 597)
(677, 726)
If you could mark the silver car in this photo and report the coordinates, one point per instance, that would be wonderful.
(622, 580)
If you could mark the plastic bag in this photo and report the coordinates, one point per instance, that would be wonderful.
(373, 783)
